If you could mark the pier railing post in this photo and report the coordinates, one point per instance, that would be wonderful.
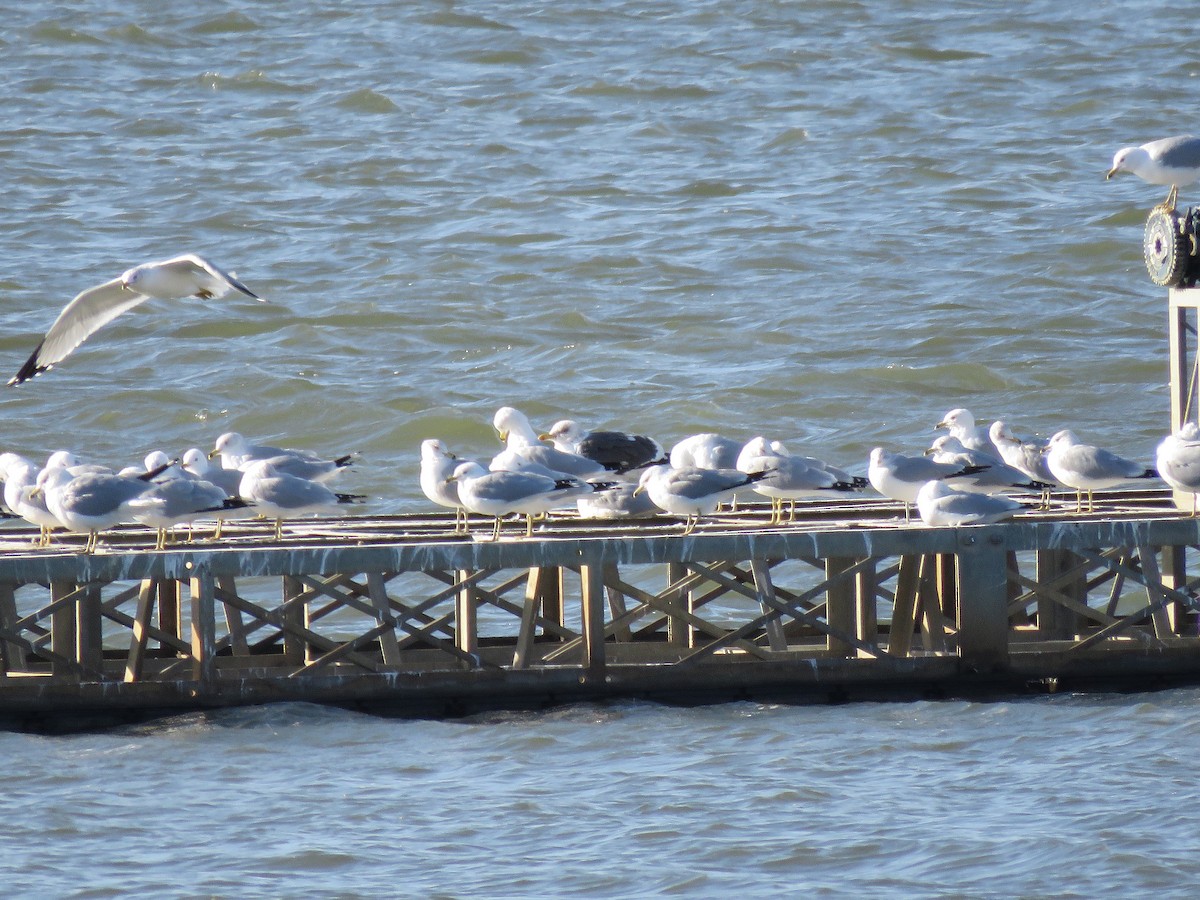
(983, 602)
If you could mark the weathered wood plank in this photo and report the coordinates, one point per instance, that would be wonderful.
(141, 631)
(204, 629)
(592, 618)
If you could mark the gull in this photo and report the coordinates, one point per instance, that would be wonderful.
(993, 475)
(617, 451)
(1087, 468)
(1173, 160)
(66, 459)
(91, 502)
(176, 501)
(156, 459)
(437, 465)
(20, 481)
(521, 446)
(1177, 459)
(195, 465)
(789, 478)
(502, 493)
(278, 494)
(1025, 456)
(940, 504)
(691, 491)
(621, 502)
(705, 451)
(10, 465)
(181, 276)
(900, 477)
(760, 446)
(237, 453)
(961, 424)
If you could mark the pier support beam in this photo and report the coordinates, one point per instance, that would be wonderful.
(983, 605)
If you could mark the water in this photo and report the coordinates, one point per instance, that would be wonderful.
(828, 222)
(1066, 796)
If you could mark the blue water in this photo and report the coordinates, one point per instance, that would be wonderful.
(1063, 796)
(826, 222)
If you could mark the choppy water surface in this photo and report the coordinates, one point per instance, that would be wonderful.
(1064, 796)
(828, 222)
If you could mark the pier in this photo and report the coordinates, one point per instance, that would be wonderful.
(397, 615)
(400, 615)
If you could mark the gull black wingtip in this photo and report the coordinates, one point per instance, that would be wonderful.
(31, 369)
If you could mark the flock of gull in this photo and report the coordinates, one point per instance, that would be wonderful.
(970, 475)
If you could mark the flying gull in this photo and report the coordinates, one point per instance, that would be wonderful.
(182, 276)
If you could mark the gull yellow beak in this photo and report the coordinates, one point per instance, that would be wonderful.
(1111, 173)
(503, 435)
(640, 489)
(940, 425)
(213, 453)
(930, 452)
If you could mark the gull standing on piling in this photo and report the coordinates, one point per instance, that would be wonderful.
(502, 493)
(900, 477)
(237, 453)
(789, 477)
(179, 500)
(280, 495)
(1027, 457)
(961, 424)
(181, 276)
(522, 447)
(20, 483)
(1178, 461)
(437, 465)
(993, 477)
(92, 502)
(693, 492)
(1173, 160)
(195, 465)
(1084, 467)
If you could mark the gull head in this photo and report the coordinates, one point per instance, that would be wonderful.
(1128, 159)
(1064, 438)
(131, 278)
(433, 450)
(469, 469)
(566, 430)
(956, 418)
(652, 473)
(230, 442)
